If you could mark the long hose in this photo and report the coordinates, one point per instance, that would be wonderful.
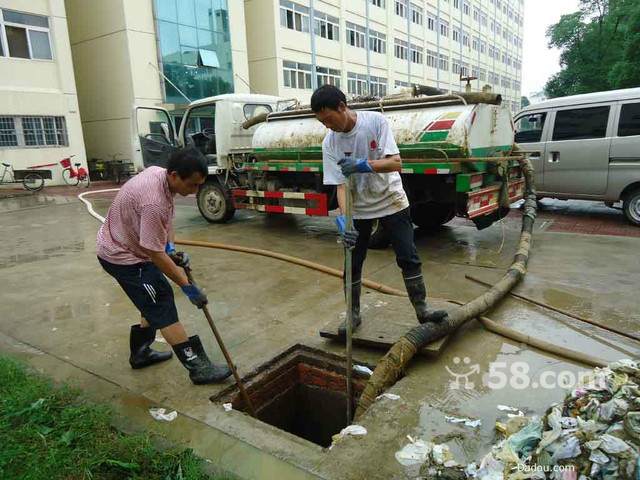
(489, 324)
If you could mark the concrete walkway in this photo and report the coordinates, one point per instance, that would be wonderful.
(68, 319)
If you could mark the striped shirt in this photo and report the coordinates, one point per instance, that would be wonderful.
(141, 215)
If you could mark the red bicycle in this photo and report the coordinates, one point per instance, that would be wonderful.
(72, 176)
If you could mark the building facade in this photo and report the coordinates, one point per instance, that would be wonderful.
(39, 115)
(373, 46)
(136, 52)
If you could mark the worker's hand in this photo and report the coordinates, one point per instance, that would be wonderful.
(350, 166)
(347, 237)
(195, 295)
(181, 259)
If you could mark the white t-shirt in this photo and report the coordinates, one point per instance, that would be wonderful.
(375, 195)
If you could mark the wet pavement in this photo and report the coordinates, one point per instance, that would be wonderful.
(70, 320)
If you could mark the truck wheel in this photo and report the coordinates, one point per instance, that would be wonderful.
(631, 206)
(431, 215)
(379, 236)
(215, 202)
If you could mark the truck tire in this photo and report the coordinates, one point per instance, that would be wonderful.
(379, 236)
(431, 215)
(631, 206)
(215, 202)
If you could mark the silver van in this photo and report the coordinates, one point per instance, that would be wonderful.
(586, 147)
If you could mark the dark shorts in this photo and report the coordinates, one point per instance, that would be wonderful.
(148, 289)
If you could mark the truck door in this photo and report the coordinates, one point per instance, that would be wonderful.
(576, 157)
(153, 136)
(531, 133)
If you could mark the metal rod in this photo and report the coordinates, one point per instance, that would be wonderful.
(559, 310)
(243, 392)
(349, 294)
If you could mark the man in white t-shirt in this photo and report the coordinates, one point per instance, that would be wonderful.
(372, 172)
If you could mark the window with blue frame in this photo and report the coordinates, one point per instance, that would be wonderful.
(195, 46)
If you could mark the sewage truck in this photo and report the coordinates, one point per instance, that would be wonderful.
(264, 153)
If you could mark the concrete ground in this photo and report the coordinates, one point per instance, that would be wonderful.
(68, 319)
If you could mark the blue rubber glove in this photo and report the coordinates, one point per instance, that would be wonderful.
(181, 259)
(350, 166)
(195, 295)
(347, 237)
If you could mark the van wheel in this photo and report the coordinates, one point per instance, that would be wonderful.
(215, 202)
(379, 236)
(631, 206)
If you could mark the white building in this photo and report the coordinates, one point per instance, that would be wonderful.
(39, 117)
(375, 45)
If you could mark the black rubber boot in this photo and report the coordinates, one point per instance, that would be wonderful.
(142, 355)
(418, 294)
(356, 287)
(201, 370)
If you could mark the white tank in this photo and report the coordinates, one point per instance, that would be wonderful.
(459, 131)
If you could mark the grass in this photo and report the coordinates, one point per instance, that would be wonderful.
(49, 432)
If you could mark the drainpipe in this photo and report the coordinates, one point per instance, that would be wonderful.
(368, 46)
(312, 22)
(409, 39)
(461, 36)
(438, 48)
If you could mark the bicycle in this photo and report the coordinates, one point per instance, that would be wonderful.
(74, 177)
(32, 181)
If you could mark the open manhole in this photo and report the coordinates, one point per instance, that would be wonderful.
(302, 391)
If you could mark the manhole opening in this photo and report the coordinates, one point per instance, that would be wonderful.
(301, 391)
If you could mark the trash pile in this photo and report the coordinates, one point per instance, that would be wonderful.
(593, 434)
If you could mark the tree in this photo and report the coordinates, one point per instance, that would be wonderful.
(524, 102)
(599, 48)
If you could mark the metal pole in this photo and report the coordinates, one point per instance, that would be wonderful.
(312, 33)
(349, 294)
(243, 392)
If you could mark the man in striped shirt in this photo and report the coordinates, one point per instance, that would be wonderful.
(135, 246)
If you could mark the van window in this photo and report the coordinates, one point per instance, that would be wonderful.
(629, 120)
(529, 128)
(581, 123)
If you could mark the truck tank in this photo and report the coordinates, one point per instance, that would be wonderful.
(421, 131)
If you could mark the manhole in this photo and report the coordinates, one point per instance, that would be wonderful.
(301, 391)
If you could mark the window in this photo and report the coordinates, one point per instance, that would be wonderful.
(297, 75)
(26, 35)
(327, 26)
(482, 75)
(444, 62)
(398, 83)
(465, 39)
(416, 54)
(327, 76)
(497, 54)
(629, 120)
(474, 71)
(401, 8)
(505, 34)
(377, 41)
(476, 15)
(516, 85)
(483, 47)
(509, 60)
(581, 123)
(357, 85)
(416, 14)
(483, 19)
(456, 4)
(251, 110)
(377, 3)
(498, 28)
(30, 131)
(456, 34)
(432, 59)
(400, 49)
(444, 28)
(466, 7)
(455, 66)
(491, 51)
(294, 16)
(504, 58)
(356, 35)
(431, 21)
(464, 69)
(493, 25)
